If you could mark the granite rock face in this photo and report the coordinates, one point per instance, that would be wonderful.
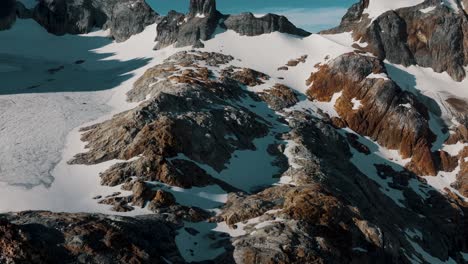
(44, 237)
(122, 18)
(7, 14)
(202, 21)
(436, 39)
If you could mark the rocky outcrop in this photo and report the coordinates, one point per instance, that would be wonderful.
(374, 106)
(344, 218)
(122, 18)
(191, 121)
(408, 36)
(249, 25)
(7, 14)
(202, 20)
(279, 97)
(44, 237)
(186, 30)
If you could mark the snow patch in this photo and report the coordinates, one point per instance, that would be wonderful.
(427, 9)
(378, 7)
(378, 76)
(356, 104)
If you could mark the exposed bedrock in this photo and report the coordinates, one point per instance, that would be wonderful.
(44, 237)
(122, 18)
(249, 25)
(190, 119)
(374, 106)
(437, 38)
(335, 214)
(202, 21)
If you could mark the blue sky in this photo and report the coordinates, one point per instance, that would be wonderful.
(313, 15)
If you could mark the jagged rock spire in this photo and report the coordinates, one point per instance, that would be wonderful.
(202, 8)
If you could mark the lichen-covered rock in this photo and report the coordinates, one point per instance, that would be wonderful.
(122, 18)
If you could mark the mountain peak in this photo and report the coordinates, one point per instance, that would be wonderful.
(202, 8)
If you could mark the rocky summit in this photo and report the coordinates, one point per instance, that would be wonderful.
(203, 137)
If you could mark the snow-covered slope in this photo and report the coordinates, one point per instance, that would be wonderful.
(83, 80)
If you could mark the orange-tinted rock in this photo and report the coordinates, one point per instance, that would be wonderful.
(390, 116)
(312, 206)
(460, 134)
(462, 177)
(447, 162)
(245, 76)
(279, 97)
(338, 122)
(163, 198)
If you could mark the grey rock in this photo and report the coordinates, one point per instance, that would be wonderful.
(406, 36)
(249, 25)
(188, 30)
(123, 18)
(203, 20)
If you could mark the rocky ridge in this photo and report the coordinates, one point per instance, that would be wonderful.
(412, 36)
(325, 214)
(338, 201)
(203, 20)
(44, 237)
(122, 18)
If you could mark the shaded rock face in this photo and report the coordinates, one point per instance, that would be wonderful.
(390, 116)
(436, 39)
(203, 19)
(122, 18)
(44, 237)
(344, 218)
(7, 14)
